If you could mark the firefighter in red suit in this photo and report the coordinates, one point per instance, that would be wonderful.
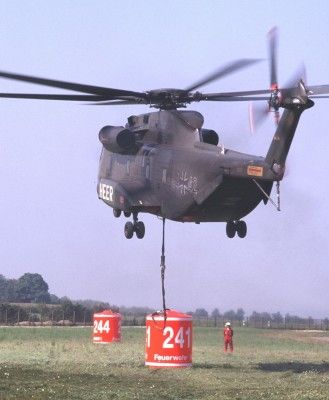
(228, 337)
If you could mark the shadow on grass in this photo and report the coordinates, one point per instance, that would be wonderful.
(214, 366)
(295, 367)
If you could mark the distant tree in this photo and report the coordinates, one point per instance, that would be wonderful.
(130, 311)
(12, 290)
(201, 313)
(67, 307)
(240, 314)
(79, 311)
(3, 288)
(54, 299)
(265, 316)
(13, 313)
(255, 316)
(95, 305)
(215, 313)
(230, 315)
(32, 288)
(277, 317)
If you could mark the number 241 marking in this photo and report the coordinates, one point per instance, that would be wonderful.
(170, 340)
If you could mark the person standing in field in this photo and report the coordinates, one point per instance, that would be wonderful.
(228, 337)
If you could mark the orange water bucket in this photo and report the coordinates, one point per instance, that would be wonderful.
(168, 344)
(107, 327)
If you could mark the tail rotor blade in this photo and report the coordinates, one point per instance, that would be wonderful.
(274, 85)
(276, 117)
(273, 44)
(251, 118)
(300, 74)
(257, 115)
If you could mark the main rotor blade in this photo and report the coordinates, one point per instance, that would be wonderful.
(321, 89)
(318, 97)
(242, 96)
(222, 71)
(67, 97)
(119, 103)
(77, 87)
(273, 43)
(209, 96)
(236, 98)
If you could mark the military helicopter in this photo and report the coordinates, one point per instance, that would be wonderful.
(167, 164)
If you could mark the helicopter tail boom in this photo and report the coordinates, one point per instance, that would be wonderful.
(294, 104)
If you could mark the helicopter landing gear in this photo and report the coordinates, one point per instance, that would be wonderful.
(116, 212)
(230, 229)
(241, 228)
(140, 229)
(233, 227)
(129, 230)
(137, 226)
(127, 214)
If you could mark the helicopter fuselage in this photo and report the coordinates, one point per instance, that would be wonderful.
(173, 173)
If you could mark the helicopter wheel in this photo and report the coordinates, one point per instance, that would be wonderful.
(116, 212)
(139, 228)
(241, 228)
(127, 214)
(230, 229)
(129, 230)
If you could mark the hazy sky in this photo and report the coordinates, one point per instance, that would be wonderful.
(52, 222)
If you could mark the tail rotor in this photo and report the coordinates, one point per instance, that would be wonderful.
(258, 113)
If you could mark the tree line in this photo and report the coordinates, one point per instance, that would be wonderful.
(27, 299)
(32, 288)
(36, 303)
(240, 316)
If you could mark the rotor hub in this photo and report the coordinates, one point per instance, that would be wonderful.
(168, 98)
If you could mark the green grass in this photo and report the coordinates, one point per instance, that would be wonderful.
(63, 363)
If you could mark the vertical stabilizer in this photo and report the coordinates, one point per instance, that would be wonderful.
(294, 104)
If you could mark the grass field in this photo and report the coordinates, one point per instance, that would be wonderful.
(63, 363)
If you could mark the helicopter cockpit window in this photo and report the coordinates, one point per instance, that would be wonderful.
(132, 120)
(209, 136)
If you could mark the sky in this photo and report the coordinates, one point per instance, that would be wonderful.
(52, 222)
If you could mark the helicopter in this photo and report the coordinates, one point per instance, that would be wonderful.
(168, 164)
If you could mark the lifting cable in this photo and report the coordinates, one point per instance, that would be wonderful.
(163, 268)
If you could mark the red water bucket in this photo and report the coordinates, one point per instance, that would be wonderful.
(107, 327)
(168, 344)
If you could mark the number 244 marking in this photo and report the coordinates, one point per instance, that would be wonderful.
(101, 326)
